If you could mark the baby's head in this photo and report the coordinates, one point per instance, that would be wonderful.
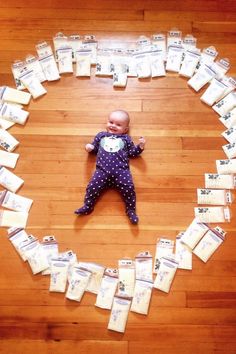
(118, 122)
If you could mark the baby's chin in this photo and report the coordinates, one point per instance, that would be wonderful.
(115, 132)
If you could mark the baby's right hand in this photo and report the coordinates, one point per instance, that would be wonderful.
(89, 147)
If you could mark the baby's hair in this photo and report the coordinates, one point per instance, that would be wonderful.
(122, 114)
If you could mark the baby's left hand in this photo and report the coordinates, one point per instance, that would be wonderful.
(142, 142)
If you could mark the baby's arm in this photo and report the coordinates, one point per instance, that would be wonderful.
(89, 147)
(136, 150)
(95, 144)
(142, 142)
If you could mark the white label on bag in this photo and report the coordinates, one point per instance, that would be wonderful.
(183, 254)
(143, 67)
(119, 79)
(9, 180)
(165, 274)
(5, 124)
(230, 150)
(7, 141)
(83, 63)
(226, 104)
(226, 166)
(164, 247)
(119, 314)
(159, 40)
(18, 239)
(157, 64)
(36, 258)
(208, 245)
(219, 181)
(142, 297)
(43, 49)
(33, 84)
(95, 280)
(194, 233)
(214, 91)
(13, 113)
(189, 64)
(143, 266)
(106, 292)
(213, 196)
(65, 60)
(230, 134)
(16, 202)
(201, 77)
(229, 119)
(212, 214)
(33, 64)
(13, 95)
(174, 58)
(126, 278)
(49, 67)
(78, 284)
(50, 248)
(174, 37)
(75, 42)
(59, 272)
(17, 68)
(8, 159)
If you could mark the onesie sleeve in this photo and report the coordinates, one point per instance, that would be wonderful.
(96, 142)
(133, 150)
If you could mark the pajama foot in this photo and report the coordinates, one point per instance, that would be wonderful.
(84, 210)
(132, 216)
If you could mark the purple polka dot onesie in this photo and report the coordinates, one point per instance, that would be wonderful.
(112, 170)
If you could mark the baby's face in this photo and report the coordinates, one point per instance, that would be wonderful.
(117, 124)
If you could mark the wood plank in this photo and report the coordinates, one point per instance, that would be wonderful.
(214, 26)
(72, 104)
(103, 85)
(66, 154)
(78, 331)
(44, 298)
(54, 181)
(209, 5)
(38, 166)
(203, 283)
(170, 119)
(79, 129)
(166, 103)
(199, 16)
(185, 348)
(83, 347)
(91, 25)
(211, 299)
(158, 316)
(83, 14)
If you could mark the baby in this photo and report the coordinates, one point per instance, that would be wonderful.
(113, 147)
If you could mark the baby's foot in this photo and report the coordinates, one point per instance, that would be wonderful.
(133, 217)
(84, 210)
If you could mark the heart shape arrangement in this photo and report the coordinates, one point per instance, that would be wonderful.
(129, 287)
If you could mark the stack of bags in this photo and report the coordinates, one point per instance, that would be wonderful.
(130, 286)
(11, 113)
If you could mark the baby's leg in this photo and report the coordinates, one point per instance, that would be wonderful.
(97, 184)
(124, 183)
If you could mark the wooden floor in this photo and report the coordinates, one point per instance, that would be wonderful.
(183, 142)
